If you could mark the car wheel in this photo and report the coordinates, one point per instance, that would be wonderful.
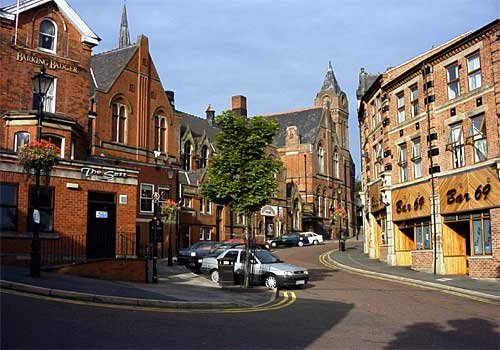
(300, 244)
(315, 242)
(214, 276)
(271, 282)
(273, 244)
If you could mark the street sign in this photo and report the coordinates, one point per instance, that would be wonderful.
(36, 216)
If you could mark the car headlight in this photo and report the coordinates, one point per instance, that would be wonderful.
(306, 272)
(288, 273)
(193, 253)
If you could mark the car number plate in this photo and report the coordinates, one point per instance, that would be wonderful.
(300, 282)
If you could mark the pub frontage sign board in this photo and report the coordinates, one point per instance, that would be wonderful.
(473, 190)
(49, 63)
(375, 197)
(411, 202)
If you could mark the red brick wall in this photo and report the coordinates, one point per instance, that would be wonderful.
(70, 208)
(133, 270)
(421, 260)
(488, 267)
(383, 249)
(72, 89)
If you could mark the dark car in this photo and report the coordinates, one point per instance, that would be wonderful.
(288, 240)
(190, 256)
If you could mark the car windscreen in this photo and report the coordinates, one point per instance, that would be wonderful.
(266, 257)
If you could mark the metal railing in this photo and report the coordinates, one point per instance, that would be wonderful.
(64, 250)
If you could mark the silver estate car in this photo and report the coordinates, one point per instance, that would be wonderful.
(266, 268)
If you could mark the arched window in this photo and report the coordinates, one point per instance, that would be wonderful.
(325, 204)
(204, 157)
(56, 140)
(47, 36)
(119, 122)
(187, 156)
(321, 159)
(160, 133)
(20, 139)
(319, 202)
(336, 165)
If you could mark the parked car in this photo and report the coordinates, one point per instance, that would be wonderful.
(191, 256)
(312, 238)
(288, 240)
(266, 268)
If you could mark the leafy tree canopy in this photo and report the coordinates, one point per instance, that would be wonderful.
(242, 173)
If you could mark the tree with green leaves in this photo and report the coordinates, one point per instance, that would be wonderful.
(242, 174)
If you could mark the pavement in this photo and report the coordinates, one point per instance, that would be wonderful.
(180, 288)
(177, 288)
(355, 260)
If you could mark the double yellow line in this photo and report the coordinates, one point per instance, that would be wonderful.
(325, 261)
(287, 299)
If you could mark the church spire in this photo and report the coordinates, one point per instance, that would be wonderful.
(124, 39)
(330, 82)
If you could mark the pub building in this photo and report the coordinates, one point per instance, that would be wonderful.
(86, 206)
(431, 154)
(136, 127)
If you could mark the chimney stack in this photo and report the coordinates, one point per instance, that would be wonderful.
(239, 105)
(210, 115)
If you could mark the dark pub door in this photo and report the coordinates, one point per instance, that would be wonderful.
(101, 228)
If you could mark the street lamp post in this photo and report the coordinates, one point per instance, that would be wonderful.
(156, 199)
(41, 85)
(170, 175)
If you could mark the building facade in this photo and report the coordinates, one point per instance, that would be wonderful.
(431, 158)
(85, 204)
(313, 144)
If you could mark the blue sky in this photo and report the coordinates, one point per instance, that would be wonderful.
(276, 52)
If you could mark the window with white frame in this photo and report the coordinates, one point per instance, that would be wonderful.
(379, 109)
(187, 156)
(336, 165)
(147, 198)
(321, 159)
(401, 107)
(47, 39)
(456, 145)
(205, 233)
(204, 157)
(402, 162)
(57, 141)
(208, 206)
(414, 100)
(49, 99)
(160, 133)
(20, 139)
(477, 133)
(453, 81)
(119, 122)
(474, 71)
(319, 207)
(416, 157)
(187, 202)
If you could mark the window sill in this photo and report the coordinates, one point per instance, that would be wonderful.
(28, 235)
(480, 257)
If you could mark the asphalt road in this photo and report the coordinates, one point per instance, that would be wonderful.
(337, 310)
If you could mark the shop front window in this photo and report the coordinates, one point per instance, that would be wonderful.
(45, 205)
(422, 235)
(481, 237)
(8, 207)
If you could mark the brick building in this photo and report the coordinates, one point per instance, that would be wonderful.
(201, 219)
(86, 202)
(431, 158)
(136, 126)
(313, 144)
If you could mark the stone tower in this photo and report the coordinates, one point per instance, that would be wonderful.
(334, 99)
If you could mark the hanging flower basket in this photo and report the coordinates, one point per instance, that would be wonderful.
(38, 158)
(339, 213)
(169, 211)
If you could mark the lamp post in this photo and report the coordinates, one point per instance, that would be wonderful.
(339, 192)
(170, 175)
(41, 85)
(156, 199)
